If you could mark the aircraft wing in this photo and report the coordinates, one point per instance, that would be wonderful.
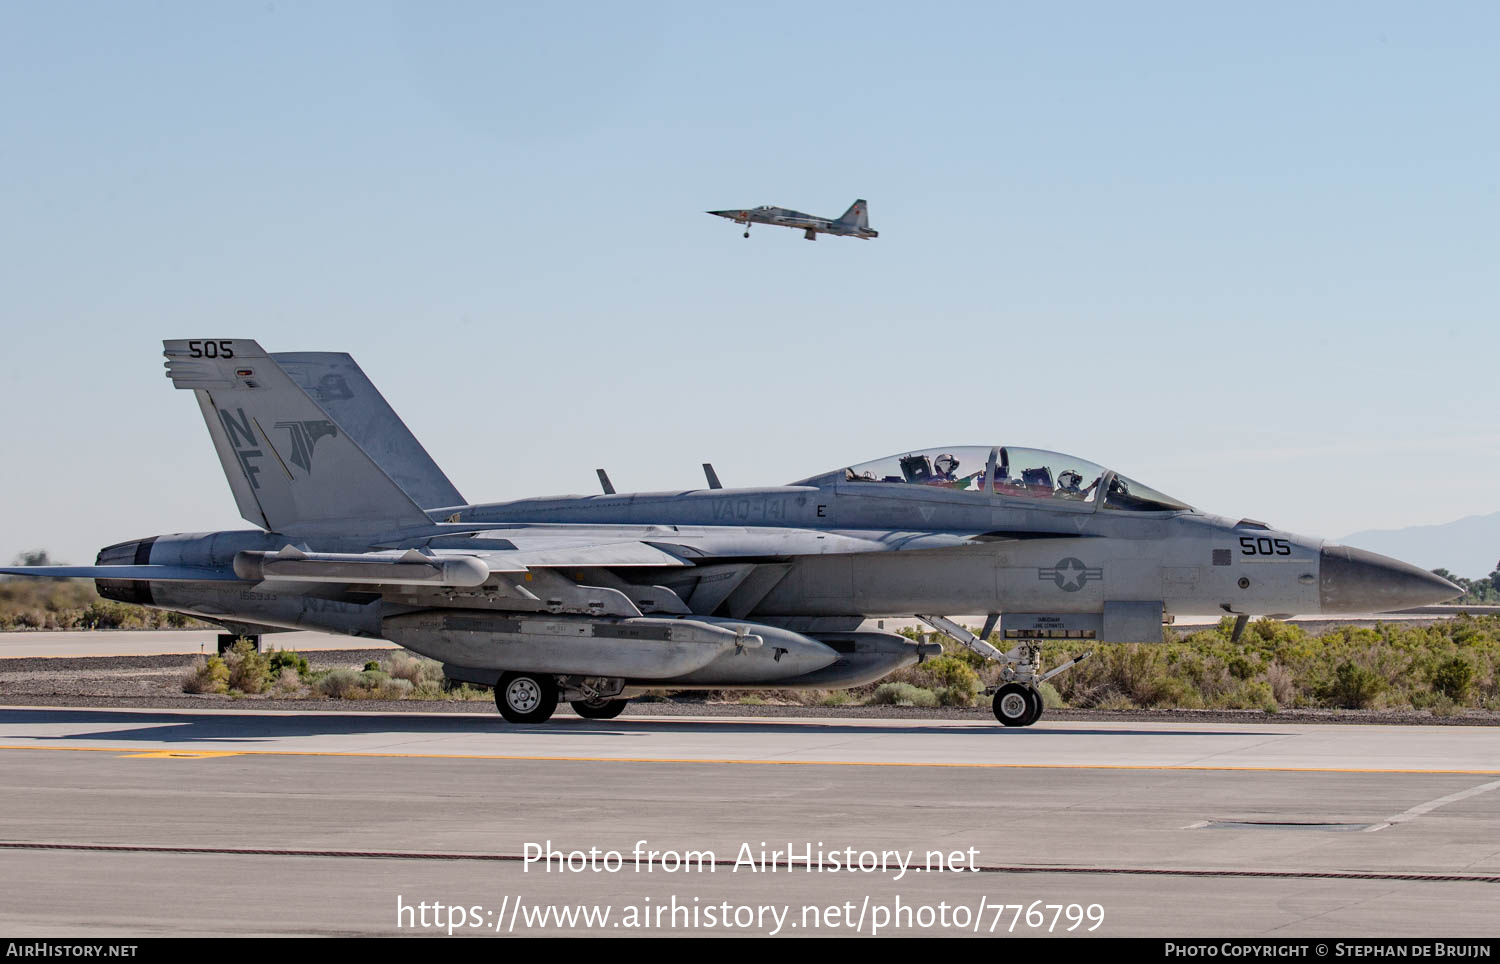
(163, 573)
(523, 554)
(409, 568)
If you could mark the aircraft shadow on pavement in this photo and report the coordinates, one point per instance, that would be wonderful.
(176, 727)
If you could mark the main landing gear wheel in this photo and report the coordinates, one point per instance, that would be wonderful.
(598, 709)
(1017, 705)
(526, 697)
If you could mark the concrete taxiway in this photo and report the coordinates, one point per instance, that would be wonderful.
(163, 822)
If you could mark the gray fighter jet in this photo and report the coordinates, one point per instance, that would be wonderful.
(593, 598)
(853, 223)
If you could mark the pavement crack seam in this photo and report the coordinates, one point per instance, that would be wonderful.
(1279, 738)
(785, 864)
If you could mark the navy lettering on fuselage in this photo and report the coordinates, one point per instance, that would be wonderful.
(746, 509)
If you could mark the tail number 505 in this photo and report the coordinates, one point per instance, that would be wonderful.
(211, 349)
(1264, 546)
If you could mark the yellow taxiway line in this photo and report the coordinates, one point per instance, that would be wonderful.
(126, 752)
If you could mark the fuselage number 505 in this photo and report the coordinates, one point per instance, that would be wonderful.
(1264, 546)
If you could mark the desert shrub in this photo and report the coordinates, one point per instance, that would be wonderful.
(249, 669)
(284, 659)
(432, 690)
(1051, 699)
(1115, 701)
(956, 695)
(392, 689)
(948, 671)
(1443, 706)
(463, 691)
(1283, 685)
(288, 682)
(338, 683)
(1253, 695)
(207, 676)
(1454, 678)
(412, 669)
(107, 614)
(902, 694)
(1353, 686)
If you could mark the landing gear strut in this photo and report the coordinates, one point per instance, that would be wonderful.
(526, 697)
(1018, 701)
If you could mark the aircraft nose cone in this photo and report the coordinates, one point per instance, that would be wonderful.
(1355, 581)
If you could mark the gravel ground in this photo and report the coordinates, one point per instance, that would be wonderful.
(155, 682)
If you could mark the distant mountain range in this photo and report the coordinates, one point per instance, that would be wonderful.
(1469, 547)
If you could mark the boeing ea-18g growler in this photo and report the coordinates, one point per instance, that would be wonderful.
(593, 598)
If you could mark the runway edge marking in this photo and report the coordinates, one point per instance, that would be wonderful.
(1421, 809)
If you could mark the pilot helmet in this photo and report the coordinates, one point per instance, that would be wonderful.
(945, 464)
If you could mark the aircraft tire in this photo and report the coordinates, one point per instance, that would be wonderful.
(526, 697)
(1016, 705)
(598, 710)
(1037, 708)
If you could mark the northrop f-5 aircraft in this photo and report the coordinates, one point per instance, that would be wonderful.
(593, 598)
(853, 223)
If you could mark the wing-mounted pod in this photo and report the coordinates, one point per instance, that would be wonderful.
(410, 568)
(632, 648)
(691, 651)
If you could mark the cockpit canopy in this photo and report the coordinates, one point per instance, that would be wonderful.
(1013, 472)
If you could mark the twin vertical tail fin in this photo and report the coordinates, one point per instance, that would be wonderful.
(857, 215)
(305, 440)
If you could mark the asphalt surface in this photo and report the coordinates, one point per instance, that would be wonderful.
(153, 822)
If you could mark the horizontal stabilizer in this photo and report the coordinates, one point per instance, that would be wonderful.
(163, 573)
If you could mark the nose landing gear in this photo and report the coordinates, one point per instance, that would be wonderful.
(1018, 701)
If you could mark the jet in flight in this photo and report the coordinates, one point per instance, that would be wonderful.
(592, 599)
(853, 223)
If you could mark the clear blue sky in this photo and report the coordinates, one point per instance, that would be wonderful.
(1246, 255)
